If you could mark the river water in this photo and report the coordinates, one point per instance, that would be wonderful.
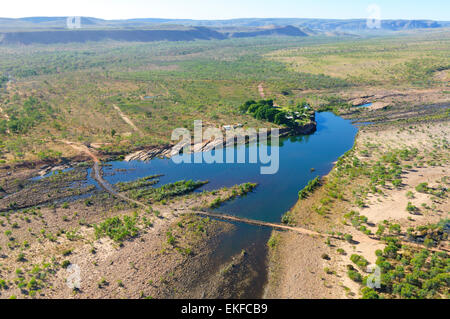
(274, 195)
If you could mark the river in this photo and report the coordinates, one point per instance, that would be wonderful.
(274, 195)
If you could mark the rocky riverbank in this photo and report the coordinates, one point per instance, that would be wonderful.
(168, 151)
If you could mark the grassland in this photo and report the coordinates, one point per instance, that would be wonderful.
(410, 61)
(73, 89)
(158, 86)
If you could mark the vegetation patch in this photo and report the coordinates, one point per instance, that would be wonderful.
(309, 188)
(167, 191)
(118, 229)
(292, 117)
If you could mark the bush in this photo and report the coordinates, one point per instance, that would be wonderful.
(3, 284)
(117, 229)
(397, 182)
(410, 194)
(422, 188)
(21, 257)
(369, 293)
(326, 257)
(170, 238)
(287, 219)
(360, 261)
(354, 275)
(67, 252)
(411, 208)
(309, 188)
(273, 241)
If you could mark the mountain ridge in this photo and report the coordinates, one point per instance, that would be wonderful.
(136, 35)
(320, 24)
(47, 30)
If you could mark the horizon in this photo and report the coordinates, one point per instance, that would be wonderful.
(436, 10)
(228, 19)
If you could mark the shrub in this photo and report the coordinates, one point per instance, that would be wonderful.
(410, 194)
(359, 260)
(309, 188)
(170, 239)
(348, 238)
(325, 256)
(422, 188)
(395, 228)
(67, 252)
(411, 208)
(3, 284)
(273, 241)
(380, 230)
(354, 275)
(117, 229)
(216, 203)
(369, 293)
(287, 219)
(397, 182)
(328, 271)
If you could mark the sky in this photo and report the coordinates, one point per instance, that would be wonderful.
(227, 9)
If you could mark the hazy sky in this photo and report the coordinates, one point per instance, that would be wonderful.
(226, 9)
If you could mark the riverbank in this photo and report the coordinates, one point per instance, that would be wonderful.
(316, 268)
(168, 151)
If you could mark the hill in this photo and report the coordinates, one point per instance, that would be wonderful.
(67, 36)
(316, 24)
(159, 33)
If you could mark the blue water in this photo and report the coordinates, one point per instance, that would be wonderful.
(274, 195)
(365, 105)
(51, 173)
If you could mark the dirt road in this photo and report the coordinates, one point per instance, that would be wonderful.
(259, 223)
(261, 91)
(98, 176)
(263, 95)
(127, 119)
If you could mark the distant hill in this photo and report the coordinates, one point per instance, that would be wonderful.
(62, 36)
(48, 30)
(317, 24)
(327, 24)
(162, 33)
(314, 24)
(287, 30)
